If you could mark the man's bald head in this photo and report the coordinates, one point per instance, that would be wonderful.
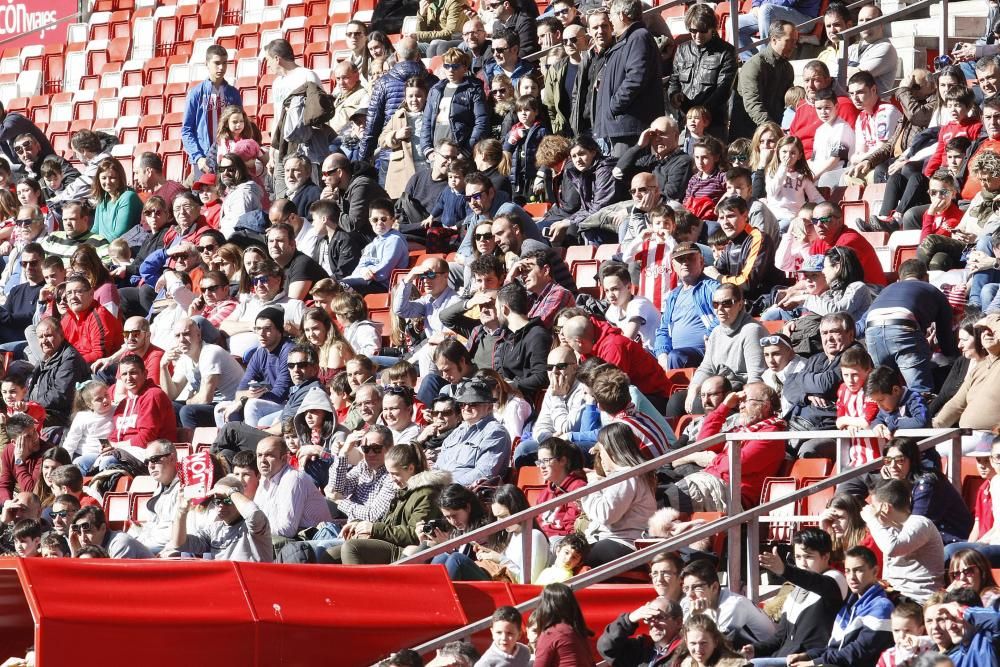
(137, 322)
(643, 179)
(561, 355)
(408, 49)
(32, 505)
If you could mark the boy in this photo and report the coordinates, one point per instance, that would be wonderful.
(937, 248)
(13, 390)
(336, 250)
(958, 103)
(648, 256)
(450, 209)
(505, 651)
(955, 152)
(914, 551)
(909, 634)
(570, 554)
(695, 123)
(211, 202)
(28, 538)
(898, 406)
(636, 316)
(54, 545)
(385, 254)
(855, 412)
(834, 142)
(739, 182)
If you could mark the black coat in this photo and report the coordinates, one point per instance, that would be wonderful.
(630, 96)
(17, 312)
(344, 251)
(53, 384)
(672, 172)
(354, 202)
(706, 77)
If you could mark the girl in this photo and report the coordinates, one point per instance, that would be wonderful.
(483, 243)
(504, 114)
(795, 246)
(397, 414)
(86, 261)
(211, 202)
(52, 458)
(562, 632)
(560, 464)
(789, 182)
(402, 135)
(490, 159)
(509, 409)
(91, 424)
(334, 352)
(708, 183)
(463, 513)
(696, 122)
(705, 645)
(234, 126)
(507, 501)
(842, 519)
(522, 143)
(761, 148)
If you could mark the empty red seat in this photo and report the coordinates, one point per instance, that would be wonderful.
(171, 126)
(318, 56)
(38, 109)
(175, 165)
(152, 99)
(119, 49)
(156, 70)
(175, 97)
(121, 24)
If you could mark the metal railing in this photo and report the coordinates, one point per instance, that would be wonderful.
(802, 27)
(732, 524)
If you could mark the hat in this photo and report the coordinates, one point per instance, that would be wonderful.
(983, 441)
(247, 149)
(991, 322)
(275, 315)
(812, 264)
(684, 249)
(205, 180)
(474, 391)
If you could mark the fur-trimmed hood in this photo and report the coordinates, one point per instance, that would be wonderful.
(433, 478)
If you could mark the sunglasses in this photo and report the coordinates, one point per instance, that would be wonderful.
(259, 280)
(220, 502)
(61, 514)
(475, 196)
(26, 222)
(372, 449)
(453, 66)
(499, 92)
(152, 212)
(483, 237)
(939, 193)
(955, 574)
(23, 148)
(354, 34)
(568, 41)
(209, 288)
(292, 365)
(132, 332)
(227, 167)
(772, 340)
(30, 262)
(82, 527)
(725, 303)
(428, 275)
(211, 247)
(432, 413)
(500, 49)
(562, 12)
(159, 458)
(379, 218)
(825, 220)
(558, 367)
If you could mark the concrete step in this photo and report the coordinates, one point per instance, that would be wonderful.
(968, 27)
(962, 8)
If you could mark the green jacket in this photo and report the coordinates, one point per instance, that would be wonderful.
(554, 97)
(415, 503)
(760, 91)
(441, 20)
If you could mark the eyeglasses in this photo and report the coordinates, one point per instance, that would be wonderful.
(82, 527)
(292, 365)
(154, 460)
(544, 462)
(61, 514)
(259, 280)
(220, 502)
(30, 262)
(475, 196)
(939, 193)
(725, 303)
(22, 148)
(211, 247)
(453, 66)
(227, 167)
(642, 190)
(483, 237)
(697, 588)
(26, 222)
(893, 460)
(132, 332)
(371, 449)
(963, 573)
(357, 33)
(560, 366)
(825, 220)
(183, 208)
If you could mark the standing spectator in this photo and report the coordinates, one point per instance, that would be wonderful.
(203, 109)
(630, 94)
(511, 19)
(764, 79)
(560, 78)
(873, 53)
(401, 136)
(456, 107)
(507, 59)
(475, 43)
(588, 76)
(704, 70)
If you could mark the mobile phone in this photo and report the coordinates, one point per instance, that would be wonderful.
(253, 384)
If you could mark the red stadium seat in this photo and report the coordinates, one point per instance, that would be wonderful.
(175, 97)
(152, 99)
(116, 509)
(129, 101)
(377, 301)
(585, 273)
(152, 129)
(775, 488)
(175, 164)
(815, 503)
(172, 123)
(318, 56)
(578, 253)
(38, 109)
(803, 468)
(317, 30)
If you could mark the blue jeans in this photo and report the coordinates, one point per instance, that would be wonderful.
(685, 357)
(85, 461)
(257, 410)
(905, 349)
(460, 567)
(17, 347)
(769, 662)
(750, 24)
(991, 551)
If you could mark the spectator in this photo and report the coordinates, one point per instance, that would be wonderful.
(352, 96)
(668, 161)
(386, 253)
(288, 497)
(90, 150)
(537, 270)
(17, 311)
(561, 467)
(610, 388)
(464, 119)
(739, 620)
(157, 527)
(362, 491)
(972, 404)
(203, 109)
(874, 128)
(560, 77)
(842, 519)
(54, 379)
(430, 277)
(816, 77)
(619, 643)
(27, 146)
(873, 53)
(402, 136)
(634, 315)
(76, 219)
(747, 261)
(688, 314)
(562, 632)
(511, 20)
(764, 78)
(437, 23)
(463, 512)
(138, 419)
(90, 529)
(520, 354)
(336, 251)
(21, 459)
(507, 61)
(301, 271)
(478, 449)
(147, 175)
(832, 231)
(355, 190)
(243, 195)
(782, 363)
(91, 329)
(899, 406)
(588, 79)
(476, 44)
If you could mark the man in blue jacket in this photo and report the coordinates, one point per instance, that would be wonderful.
(688, 316)
(205, 103)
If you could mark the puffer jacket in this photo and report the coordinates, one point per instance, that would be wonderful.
(596, 187)
(469, 118)
(387, 96)
(413, 504)
(630, 95)
(95, 334)
(706, 77)
(522, 163)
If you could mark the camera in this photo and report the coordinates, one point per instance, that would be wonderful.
(435, 524)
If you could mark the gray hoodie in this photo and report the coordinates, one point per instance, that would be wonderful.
(317, 399)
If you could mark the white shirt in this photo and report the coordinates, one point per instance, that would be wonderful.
(286, 83)
(641, 310)
(213, 360)
(291, 502)
(834, 139)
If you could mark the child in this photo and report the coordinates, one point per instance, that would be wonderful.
(793, 96)
(695, 122)
(451, 209)
(955, 152)
(505, 651)
(795, 246)
(708, 183)
(341, 396)
(522, 143)
(899, 407)
(383, 255)
(962, 117)
(909, 634)
(788, 181)
(650, 252)
(570, 554)
(13, 390)
(687, 229)
(982, 454)
(834, 141)
(91, 424)
(404, 374)
(211, 203)
(937, 248)
(28, 538)
(119, 254)
(854, 410)
(54, 545)
(235, 126)
(717, 241)
(738, 153)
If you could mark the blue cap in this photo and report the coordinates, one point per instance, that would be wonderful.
(812, 264)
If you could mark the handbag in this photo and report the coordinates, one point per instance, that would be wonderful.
(497, 571)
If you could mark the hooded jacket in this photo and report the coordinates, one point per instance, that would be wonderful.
(860, 633)
(521, 355)
(387, 96)
(138, 420)
(95, 333)
(417, 502)
(630, 356)
(315, 399)
(53, 383)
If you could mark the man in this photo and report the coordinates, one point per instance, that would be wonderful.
(484, 331)
(488, 203)
(765, 78)
(301, 271)
(658, 151)
(622, 222)
(874, 127)
(351, 96)
(76, 221)
(197, 376)
(13, 125)
(524, 345)
(564, 400)
(356, 38)
(816, 77)
(873, 53)
(610, 388)
(836, 20)
(300, 193)
(712, 392)
(21, 459)
(782, 363)
(747, 261)
(138, 341)
(424, 188)
(630, 94)
(832, 231)
(90, 528)
(244, 465)
(534, 270)
(239, 530)
(589, 337)
(737, 617)
(988, 140)
(54, 379)
(89, 326)
(353, 193)
(387, 96)
(688, 317)
(478, 450)
(287, 497)
(862, 629)
(161, 462)
(430, 277)
(29, 151)
(560, 77)
(898, 323)
(147, 176)
(444, 417)
(63, 508)
(620, 645)
(203, 110)
(507, 58)
(266, 382)
(29, 227)
(475, 43)
(336, 251)
(709, 67)
(291, 81)
(510, 19)
(765, 18)
(267, 292)
(588, 76)
(386, 253)
(17, 311)
(140, 418)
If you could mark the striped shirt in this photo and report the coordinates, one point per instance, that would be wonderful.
(653, 440)
(854, 404)
(62, 245)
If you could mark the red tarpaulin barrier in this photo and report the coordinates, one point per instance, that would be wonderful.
(20, 17)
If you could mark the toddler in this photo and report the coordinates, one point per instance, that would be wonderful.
(211, 202)
(505, 651)
(793, 96)
(91, 424)
(119, 254)
(794, 247)
(234, 127)
(450, 209)
(908, 632)
(570, 554)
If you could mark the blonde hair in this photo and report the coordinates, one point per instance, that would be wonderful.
(119, 248)
(794, 95)
(771, 127)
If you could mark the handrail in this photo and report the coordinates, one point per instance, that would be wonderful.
(806, 25)
(732, 523)
(846, 35)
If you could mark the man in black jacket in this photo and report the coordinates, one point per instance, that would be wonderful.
(53, 382)
(665, 619)
(30, 151)
(336, 251)
(522, 352)
(19, 308)
(354, 186)
(658, 150)
(12, 126)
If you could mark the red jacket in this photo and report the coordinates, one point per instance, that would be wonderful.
(138, 420)
(95, 333)
(874, 273)
(561, 646)
(24, 477)
(941, 224)
(561, 520)
(970, 129)
(759, 459)
(631, 357)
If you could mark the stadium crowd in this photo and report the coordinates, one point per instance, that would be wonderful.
(380, 307)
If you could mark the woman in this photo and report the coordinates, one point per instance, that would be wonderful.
(509, 409)
(334, 352)
(118, 206)
(53, 458)
(439, 22)
(762, 146)
(562, 632)
(397, 414)
(842, 519)
(253, 261)
(970, 569)
(933, 496)
(490, 159)
(970, 344)
(86, 261)
(483, 243)
(229, 260)
(351, 314)
(507, 501)
(464, 513)
(379, 45)
(382, 542)
(976, 404)
(587, 186)
(617, 514)
(466, 119)
(503, 116)
(561, 467)
(401, 137)
(838, 287)
(705, 645)
(242, 194)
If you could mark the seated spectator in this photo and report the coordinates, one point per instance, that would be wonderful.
(562, 405)
(90, 529)
(23, 505)
(301, 270)
(711, 392)
(688, 315)
(899, 407)
(430, 278)
(809, 611)
(156, 529)
(386, 253)
(139, 418)
(748, 259)
(610, 389)
(623, 222)
(587, 187)
(658, 151)
(982, 538)
(362, 491)
(463, 512)
(90, 328)
(521, 352)
(21, 459)
(268, 294)
(54, 378)
(288, 497)
(782, 363)
(536, 270)
(442, 418)
(214, 302)
(28, 538)
(561, 468)
(853, 643)
(67, 480)
(856, 411)
(506, 556)
(961, 627)
(63, 508)
(397, 413)
(910, 635)
(570, 553)
(617, 514)
(478, 450)
(739, 620)
(509, 408)
(831, 231)
(636, 316)
(266, 382)
(361, 333)
(118, 206)
(619, 643)
(973, 405)
(832, 283)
